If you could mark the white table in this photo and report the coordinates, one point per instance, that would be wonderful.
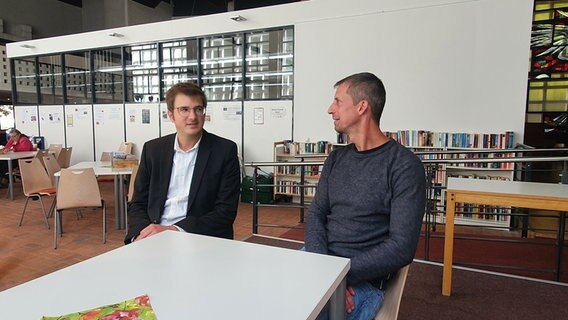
(103, 168)
(533, 195)
(14, 156)
(189, 276)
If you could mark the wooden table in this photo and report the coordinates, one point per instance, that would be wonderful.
(14, 156)
(545, 196)
(189, 276)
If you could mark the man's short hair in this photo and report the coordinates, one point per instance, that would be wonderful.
(366, 86)
(186, 88)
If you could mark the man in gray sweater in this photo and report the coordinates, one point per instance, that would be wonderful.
(370, 198)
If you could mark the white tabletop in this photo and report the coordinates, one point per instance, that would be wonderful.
(187, 276)
(17, 155)
(509, 187)
(102, 168)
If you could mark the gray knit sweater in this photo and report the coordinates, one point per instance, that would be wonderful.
(368, 207)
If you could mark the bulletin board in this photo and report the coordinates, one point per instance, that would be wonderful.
(109, 127)
(79, 132)
(51, 120)
(142, 124)
(26, 120)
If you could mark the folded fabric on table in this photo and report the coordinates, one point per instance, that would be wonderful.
(138, 308)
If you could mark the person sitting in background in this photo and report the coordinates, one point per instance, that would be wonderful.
(18, 142)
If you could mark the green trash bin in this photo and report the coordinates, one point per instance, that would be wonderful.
(264, 194)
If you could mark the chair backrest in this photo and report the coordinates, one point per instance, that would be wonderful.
(55, 149)
(125, 147)
(52, 166)
(42, 154)
(131, 185)
(78, 188)
(34, 177)
(64, 158)
(106, 156)
(393, 296)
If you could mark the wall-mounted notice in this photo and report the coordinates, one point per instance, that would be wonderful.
(232, 113)
(100, 116)
(278, 112)
(145, 116)
(132, 115)
(114, 113)
(259, 115)
(30, 115)
(82, 112)
(69, 120)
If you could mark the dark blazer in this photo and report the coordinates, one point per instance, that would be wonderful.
(213, 195)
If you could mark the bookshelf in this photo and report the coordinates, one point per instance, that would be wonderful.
(290, 181)
(456, 146)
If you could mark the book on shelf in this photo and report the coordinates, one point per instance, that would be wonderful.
(424, 138)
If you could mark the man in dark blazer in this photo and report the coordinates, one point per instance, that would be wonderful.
(188, 181)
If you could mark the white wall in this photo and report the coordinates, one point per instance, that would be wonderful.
(225, 120)
(79, 132)
(109, 127)
(458, 67)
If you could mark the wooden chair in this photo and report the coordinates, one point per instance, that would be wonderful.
(78, 188)
(52, 166)
(126, 147)
(36, 184)
(64, 158)
(393, 296)
(55, 149)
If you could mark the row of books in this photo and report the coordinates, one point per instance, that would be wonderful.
(294, 188)
(423, 138)
(309, 171)
(482, 212)
(294, 148)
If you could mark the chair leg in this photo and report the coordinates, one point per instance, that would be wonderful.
(52, 208)
(55, 229)
(44, 213)
(24, 212)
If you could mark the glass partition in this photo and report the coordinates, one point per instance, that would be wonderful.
(78, 78)
(25, 81)
(141, 65)
(179, 63)
(108, 75)
(50, 79)
(144, 72)
(221, 63)
(270, 64)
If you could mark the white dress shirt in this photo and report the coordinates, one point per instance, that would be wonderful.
(175, 208)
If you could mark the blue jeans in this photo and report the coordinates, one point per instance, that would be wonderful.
(367, 299)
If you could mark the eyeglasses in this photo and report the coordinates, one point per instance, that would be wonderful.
(184, 111)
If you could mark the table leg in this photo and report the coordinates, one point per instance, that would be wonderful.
(449, 244)
(337, 302)
(10, 181)
(119, 201)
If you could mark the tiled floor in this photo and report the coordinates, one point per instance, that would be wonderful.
(27, 252)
